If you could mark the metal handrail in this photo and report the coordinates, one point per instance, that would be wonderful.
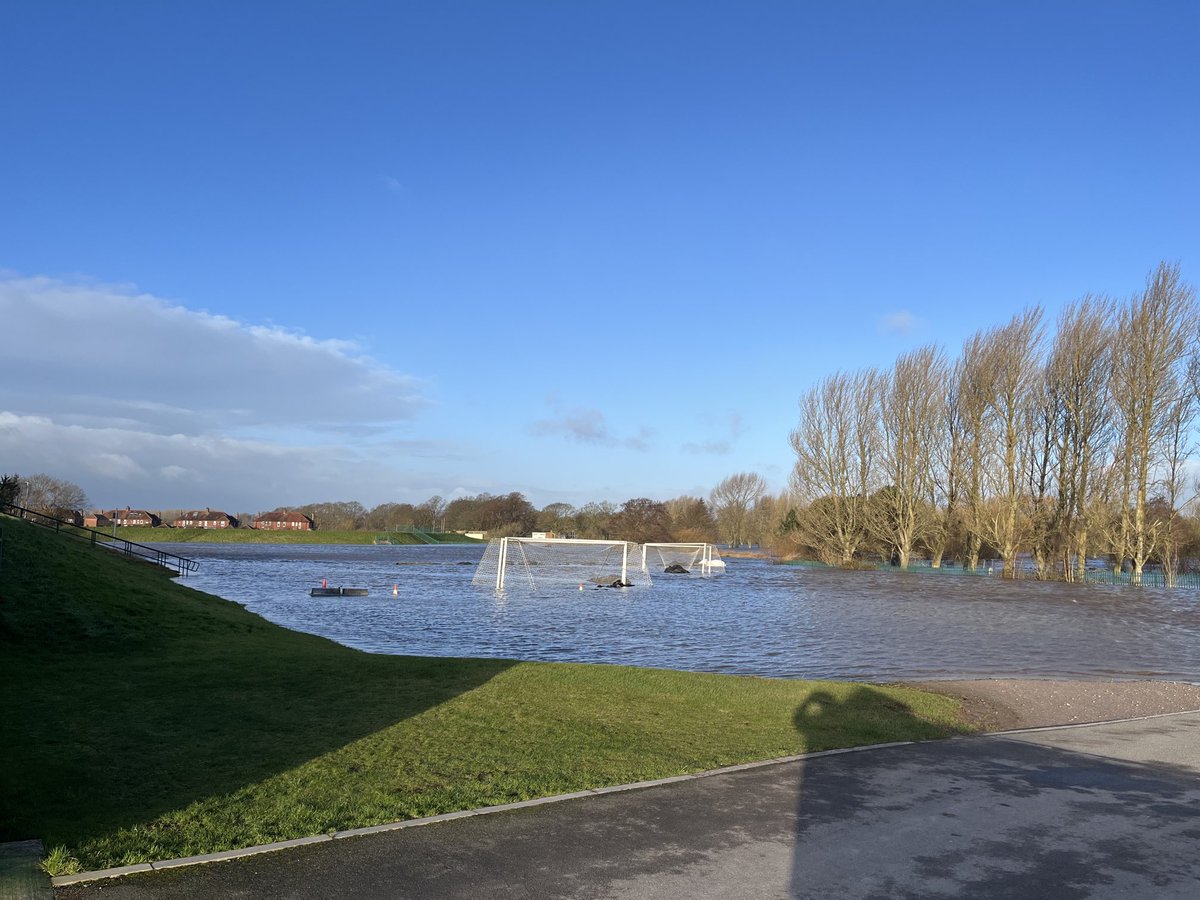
(181, 564)
(419, 533)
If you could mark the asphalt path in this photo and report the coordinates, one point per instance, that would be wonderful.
(1097, 811)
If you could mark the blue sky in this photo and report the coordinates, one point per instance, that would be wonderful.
(273, 253)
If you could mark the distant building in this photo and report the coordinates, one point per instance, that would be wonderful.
(73, 516)
(122, 517)
(284, 521)
(205, 518)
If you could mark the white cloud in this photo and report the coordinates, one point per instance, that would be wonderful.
(147, 402)
(119, 466)
(98, 355)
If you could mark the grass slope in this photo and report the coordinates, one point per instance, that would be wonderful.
(145, 720)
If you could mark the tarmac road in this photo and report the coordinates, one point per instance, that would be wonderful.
(1097, 811)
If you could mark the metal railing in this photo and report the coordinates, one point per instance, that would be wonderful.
(419, 533)
(180, 564)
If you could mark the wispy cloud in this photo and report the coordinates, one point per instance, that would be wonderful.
(588, 426)
(731, 425)
(715, 448)
(393, 184)
(900, 322)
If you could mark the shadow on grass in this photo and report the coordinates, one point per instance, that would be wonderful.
(865, 715)
(126, 697)
(136, 742)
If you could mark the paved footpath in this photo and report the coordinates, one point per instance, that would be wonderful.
(1098, 811)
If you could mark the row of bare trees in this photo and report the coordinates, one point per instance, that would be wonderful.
(1058, 446)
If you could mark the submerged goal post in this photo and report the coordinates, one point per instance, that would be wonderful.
(688, 554)
(561, 560)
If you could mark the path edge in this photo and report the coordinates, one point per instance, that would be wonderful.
(221, 856)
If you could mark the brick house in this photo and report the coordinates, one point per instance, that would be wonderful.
(123, 517)
(205, 518)
(284, 521)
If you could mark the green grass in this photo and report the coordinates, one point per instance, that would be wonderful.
(255, 536)
(145, 720)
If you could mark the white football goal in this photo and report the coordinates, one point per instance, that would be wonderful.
(533, 563)
(682, 558)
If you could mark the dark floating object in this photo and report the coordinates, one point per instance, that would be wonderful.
(676, 569)
(338, 592)
(611, 582)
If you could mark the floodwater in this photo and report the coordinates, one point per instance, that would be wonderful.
(755, 619)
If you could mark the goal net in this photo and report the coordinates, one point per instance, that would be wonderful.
(682, 558)
(536, 563)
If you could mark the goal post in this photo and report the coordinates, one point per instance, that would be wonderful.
(533, 563)
(689, 556)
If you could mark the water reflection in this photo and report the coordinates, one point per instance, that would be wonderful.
(755, 619)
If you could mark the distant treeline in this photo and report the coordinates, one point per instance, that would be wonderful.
(738, 510)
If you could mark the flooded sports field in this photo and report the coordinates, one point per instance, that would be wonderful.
(755, 619)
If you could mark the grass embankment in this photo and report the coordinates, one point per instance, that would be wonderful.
(256, 536)
(145, 720)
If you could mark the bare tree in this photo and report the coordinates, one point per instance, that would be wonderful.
(1177, 449)
(594, 520)
(387, 516)
(944, 483)
(556, 517)
(1041, 459)
(1078, 377)
(51, 495)
(342, 515)
(1154, 333)
(691, 519)
(731, 502)
(974, 390)
(1011, 355)
(835, 443)
(910, 410)
(642, 520)
(430, 514)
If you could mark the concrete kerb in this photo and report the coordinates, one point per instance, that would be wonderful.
(1036, 728)
(63, 880)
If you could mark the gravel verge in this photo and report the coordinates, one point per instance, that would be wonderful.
(1006, 703)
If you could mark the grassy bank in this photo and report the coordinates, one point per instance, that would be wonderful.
(255, 536)
(145, 720)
